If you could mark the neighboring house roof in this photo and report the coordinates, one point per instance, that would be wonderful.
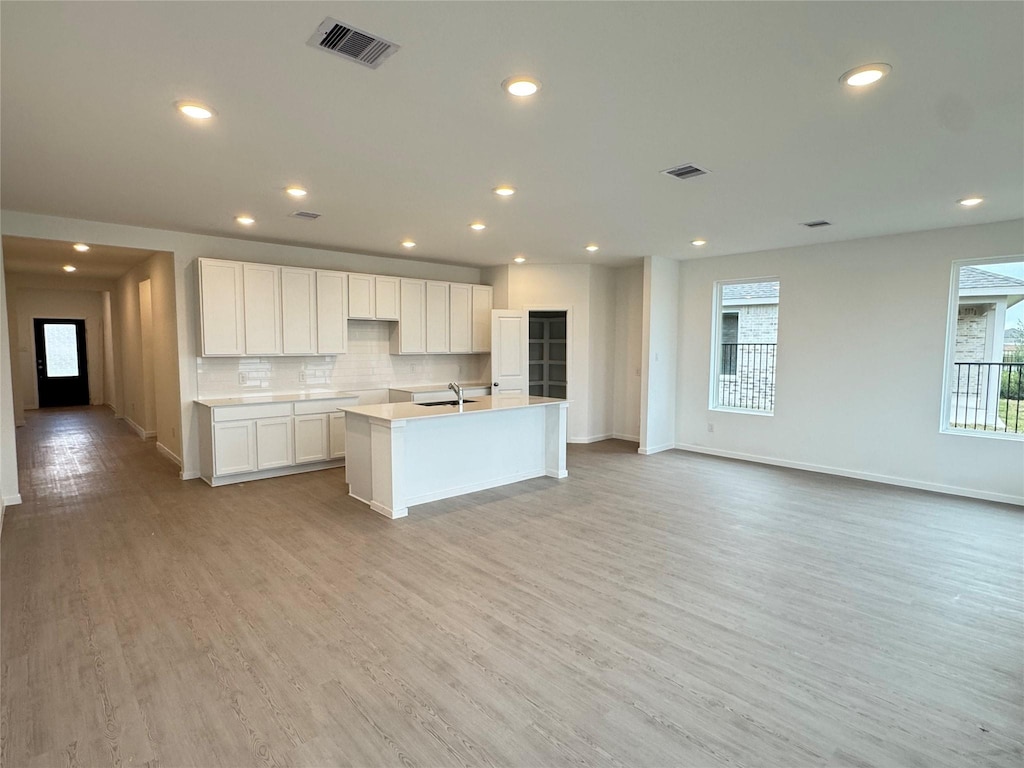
(748, 293)
(972, 278)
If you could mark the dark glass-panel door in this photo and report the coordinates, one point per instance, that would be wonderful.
(62, 371)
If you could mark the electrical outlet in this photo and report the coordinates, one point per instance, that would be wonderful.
(243, 377)
(302, 377)
(711, 427)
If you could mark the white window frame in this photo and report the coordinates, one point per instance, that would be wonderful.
(716, 346)
(952, 313)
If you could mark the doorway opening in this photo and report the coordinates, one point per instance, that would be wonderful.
(62, 368)
(548, 360)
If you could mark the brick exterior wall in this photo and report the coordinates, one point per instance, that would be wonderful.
(753, 386)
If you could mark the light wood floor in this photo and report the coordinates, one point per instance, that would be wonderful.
(670, 610)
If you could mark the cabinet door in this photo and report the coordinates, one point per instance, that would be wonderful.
(274, 443)
(482, 301)
(460, 318)
(221, 317)
(310, 438)
(234, 447)
(361, 297)
(437, 317)
(262, 287)
(331, 313)
(298, 311)
(386, 294)
(337, 435)
(412, 328)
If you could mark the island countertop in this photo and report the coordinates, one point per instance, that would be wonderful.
(295, 397)
(404, 411)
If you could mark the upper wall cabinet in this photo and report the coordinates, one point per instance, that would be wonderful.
(331, 312)
(483, 300)
(262, 309)
(373, 297)
(298, 311)
(409, 337)
(437, 317)
(387, 295)
(460, 317)
(221, 311)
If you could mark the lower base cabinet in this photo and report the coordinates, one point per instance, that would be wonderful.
(274, 444)
(311, 437)
(234, 447)
(337, 435)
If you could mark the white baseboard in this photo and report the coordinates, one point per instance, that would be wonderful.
(10, 501)
(630, 438)
(163, 450)
(139, 430)
(190, 475)
(592, 439)
(656, 449)
(951, 490)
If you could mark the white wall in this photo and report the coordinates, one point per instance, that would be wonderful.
(110, 371)
(32, 302)
(862, 334)
(627, 361)
(660, 353)
(602, 352)
(186, 248)
(8, 458)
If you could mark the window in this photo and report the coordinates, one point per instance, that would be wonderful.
(985, 349)
(745, 337)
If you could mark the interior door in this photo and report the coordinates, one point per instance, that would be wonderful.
(62, 370)
(510, 340)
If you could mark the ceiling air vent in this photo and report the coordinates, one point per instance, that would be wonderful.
(351, 43)
(818, 223)
(685, 171)
(308, 215)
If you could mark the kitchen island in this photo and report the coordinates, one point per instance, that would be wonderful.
(402, 454)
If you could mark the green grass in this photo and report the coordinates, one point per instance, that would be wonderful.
(1012, 412)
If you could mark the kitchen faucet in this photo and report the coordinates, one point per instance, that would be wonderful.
(454, 387)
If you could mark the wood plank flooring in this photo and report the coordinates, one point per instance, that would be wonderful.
(669, 610)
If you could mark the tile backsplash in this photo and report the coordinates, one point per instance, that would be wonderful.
(368, 365)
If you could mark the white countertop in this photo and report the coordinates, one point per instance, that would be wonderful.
(403, 411)
(213, 402)
(420, 388)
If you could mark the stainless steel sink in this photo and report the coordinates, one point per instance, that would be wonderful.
(447, 402)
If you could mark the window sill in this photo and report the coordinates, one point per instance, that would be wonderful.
(749, 411)
(991, 434)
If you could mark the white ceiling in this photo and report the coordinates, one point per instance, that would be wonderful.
(747, 90)
(31, 256)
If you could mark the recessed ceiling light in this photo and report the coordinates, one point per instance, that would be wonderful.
(866, 75)
(80, 247)
(505, 190)
(970, 202)
(520, 85)
(69, 267)
(478, 226)
(698, 243)
(296, 191)
(591, 248)
(408, 244)
(194, 110)
(519, 259)
(246, 220)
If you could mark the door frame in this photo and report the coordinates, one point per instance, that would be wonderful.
(569, 378)
(83, 353)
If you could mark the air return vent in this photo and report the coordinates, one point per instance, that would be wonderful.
(818, 223)
(685, 171)
(351, 43)
(308, 215)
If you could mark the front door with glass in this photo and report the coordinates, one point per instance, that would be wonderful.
(61, 367)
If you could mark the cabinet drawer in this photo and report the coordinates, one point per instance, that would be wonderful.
(324, 406)
(259, 411)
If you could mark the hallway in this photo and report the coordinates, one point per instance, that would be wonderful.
(665, 610)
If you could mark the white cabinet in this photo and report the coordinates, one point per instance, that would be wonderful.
(437, 317)
(262, 288)
(298, 311)
(274, 443)
(386, 295)
(331, 313)
(410, 337)
(362, 304)
(483, 298)
(337, 435)
(460, 318)
(234, 447)
(310, 437)
(221, 313)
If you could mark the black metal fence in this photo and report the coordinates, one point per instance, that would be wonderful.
(988, 396)
(747, 376)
